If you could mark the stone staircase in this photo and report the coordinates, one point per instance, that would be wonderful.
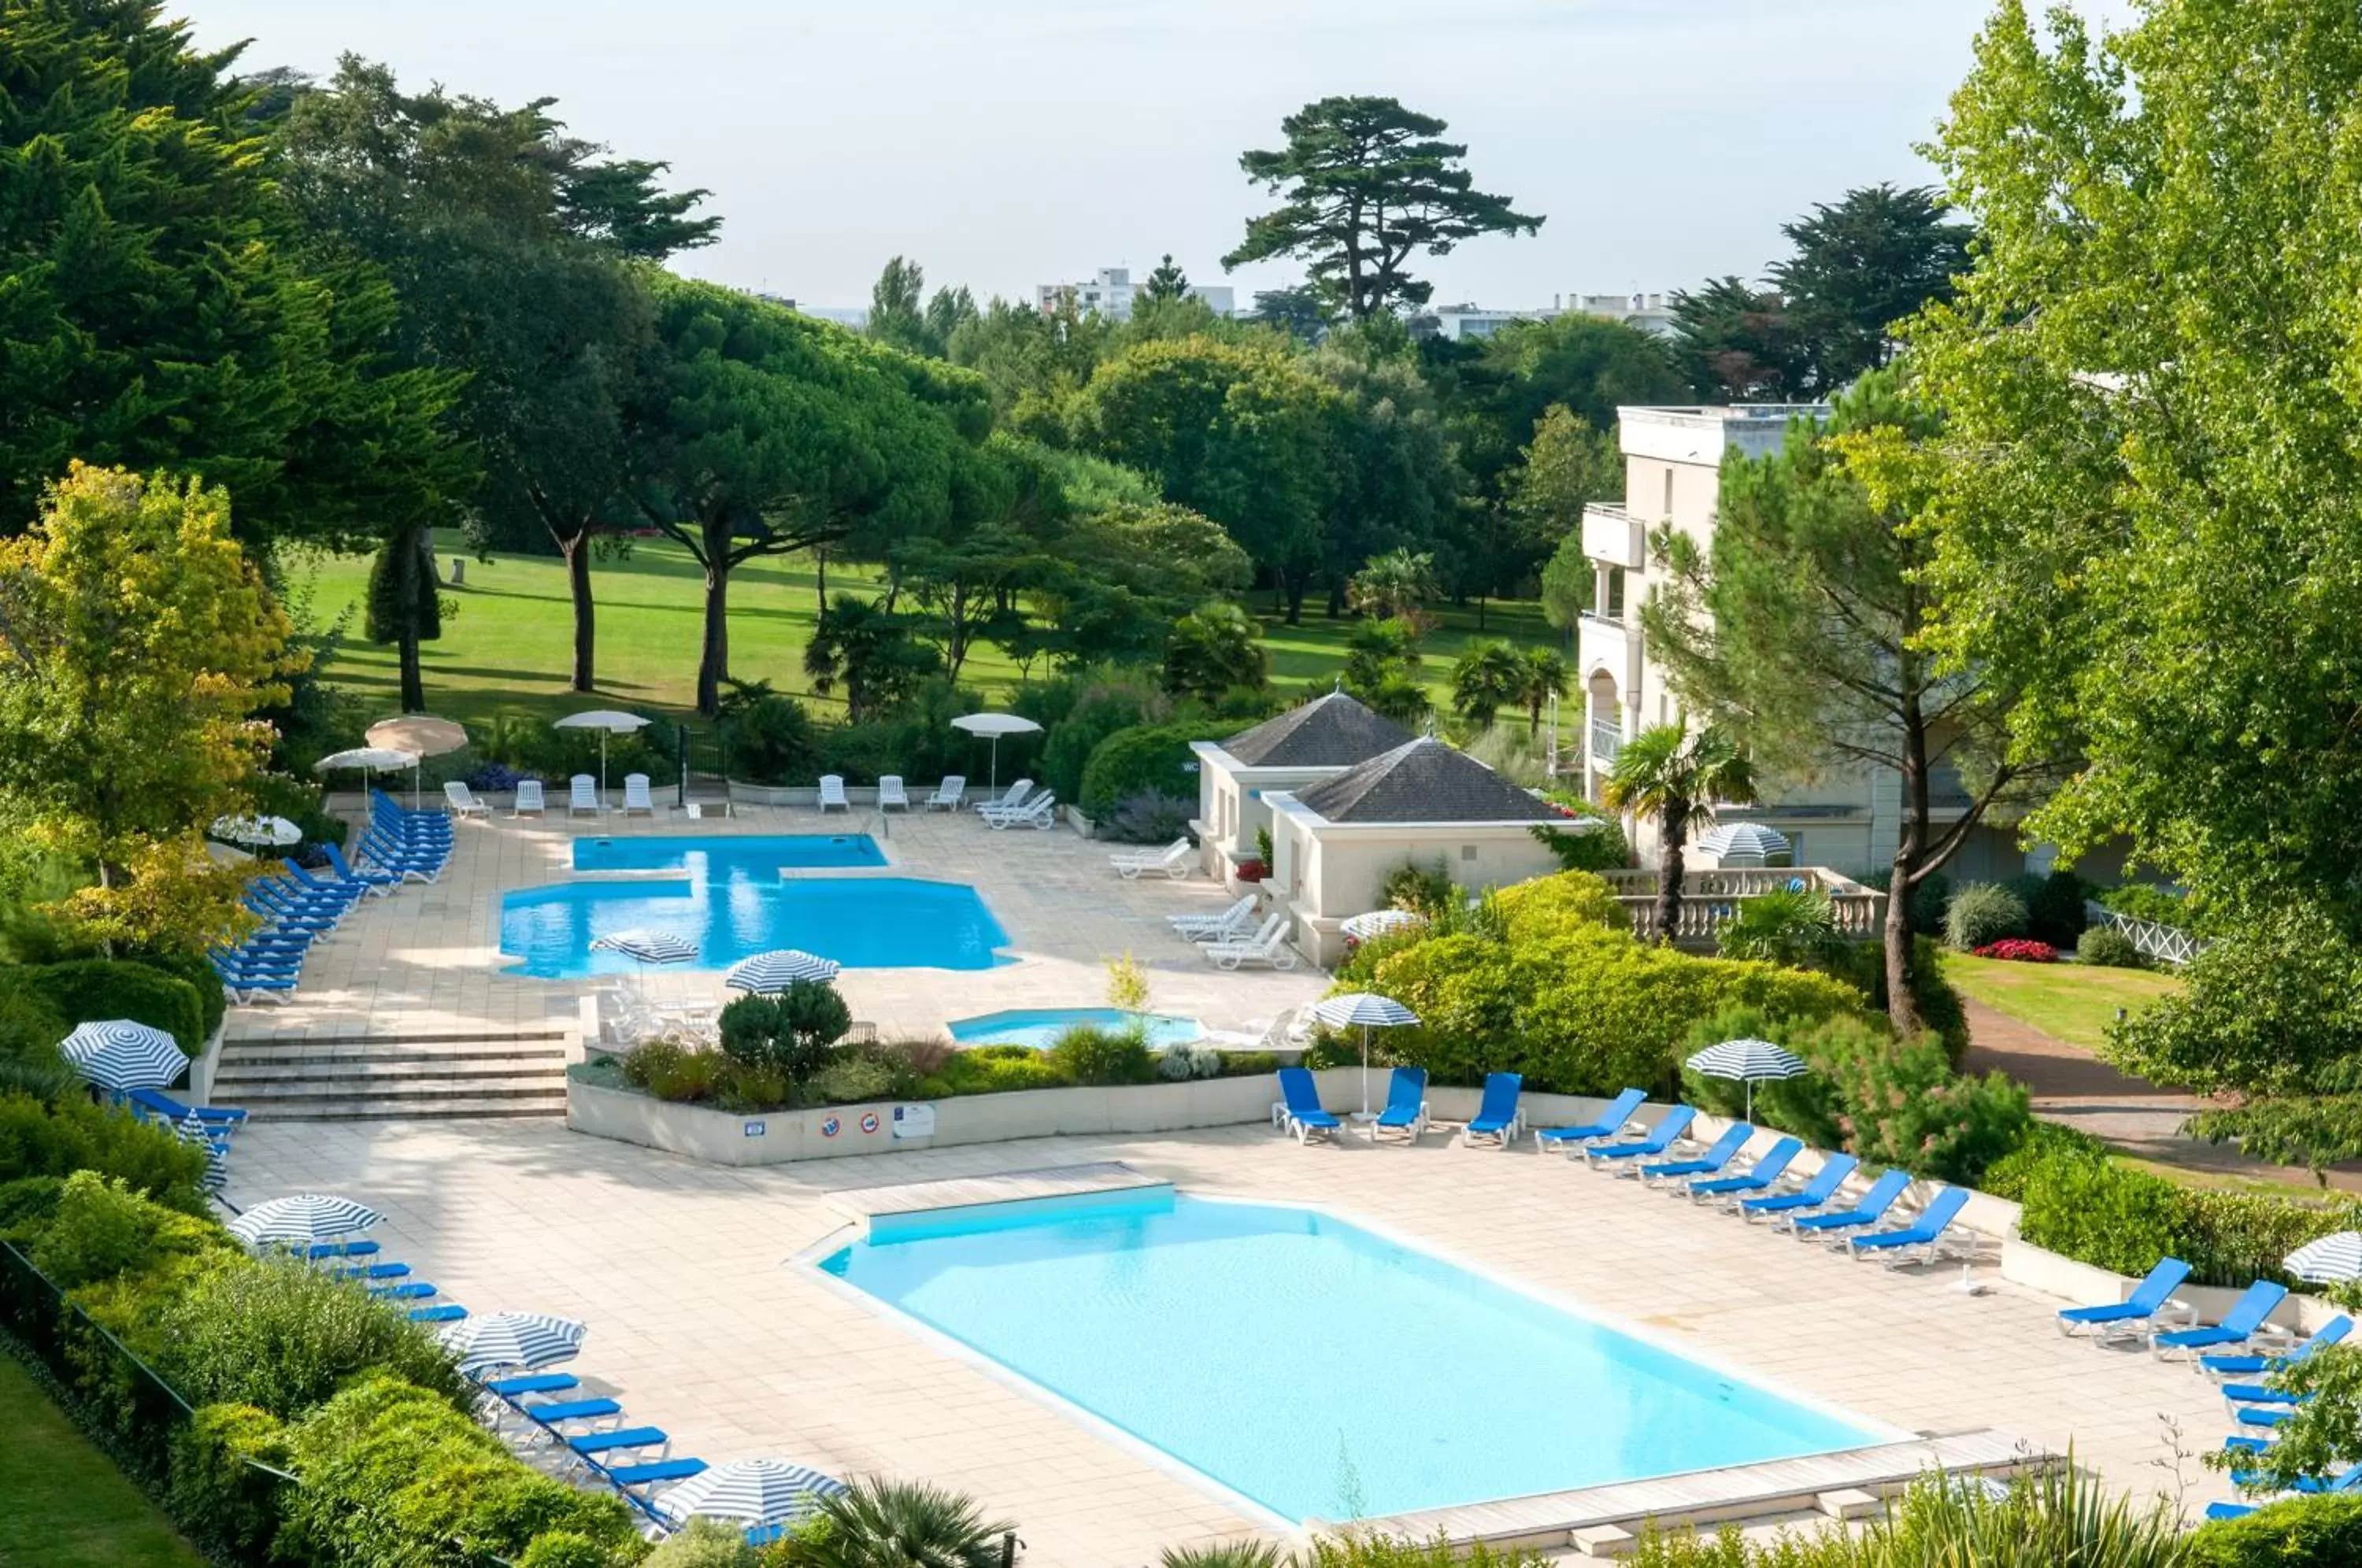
(384, 1077)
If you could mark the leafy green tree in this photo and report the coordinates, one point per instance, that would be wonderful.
(1862, 265)
(1397, 584)
(1739, 344)
(1167, 281)
(868, 650)
(898, 312)
(404, 606)
(1545, 675)
(1675, 775)
(1214, 650)
(1367, 184)
(1397, 478)
(1031, 360)
(1801, 622)
(1381, 669)
(1570, 584)
(2147, 514)
(1125, 572)
(763, 432)
(1487, 677)
(1298, 311)
(1567, 465)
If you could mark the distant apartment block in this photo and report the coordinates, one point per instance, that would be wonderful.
(1644, 313)
(1110, 292)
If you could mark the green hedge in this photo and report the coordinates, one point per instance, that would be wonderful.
(2081, 1204)
(2307, 1533)
(41, 1139)
(213, 1002)
(1148, 757)
(82, 989)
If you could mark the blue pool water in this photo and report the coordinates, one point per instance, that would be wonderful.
(1040, 1027)
(1319, 1369)
(731, 901)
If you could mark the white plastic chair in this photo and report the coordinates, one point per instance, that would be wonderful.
(584, 796)
(635, 795)
(1173, 860)
(832, 792)
(463, 800)
(1041, 812)
(950, 794)
(889, 792)
(1268, 946)
(528, 799)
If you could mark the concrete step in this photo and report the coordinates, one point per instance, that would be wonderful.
(385, 1110)
(413, 1092)
(477, 1065)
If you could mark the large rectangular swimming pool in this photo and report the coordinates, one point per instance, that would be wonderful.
(729, 899)
(1312, 1366)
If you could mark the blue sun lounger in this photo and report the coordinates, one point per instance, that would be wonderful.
(592, 1444)
(533, 1382)
(2152, 1296)
(1299, 1095)
(159, 1103)
(1869, 1210)
(1811, 1195)
(2332, 1332)
(2260, 1394)
(448, 1312)
(1768, 1168)
(1926, 1239)
(1614, 1118)
(626, 1477)
(2243, 1322)
(1718, 1154)
(1496, 1114)
(1406, 1110)
(1656, 1141)
(2265, 1416)
(418, 1290)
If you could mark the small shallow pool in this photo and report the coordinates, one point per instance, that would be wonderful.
(1312, 1366)
(1040, 1027)
(727, 896)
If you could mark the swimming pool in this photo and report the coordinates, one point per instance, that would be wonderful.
(730, 900)
(1312, 1366)
(1040, 1027)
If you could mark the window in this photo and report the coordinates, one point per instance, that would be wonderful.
(1615, 593)
(1467, 852)
(1669, 492)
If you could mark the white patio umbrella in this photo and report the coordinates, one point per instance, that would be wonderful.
(500, 1340)
(996, 725)
(1378, 922)
(367, 760)
(754, 1491)
(648, 945)
(421, 735)
(277, 832)
(305, 1218)
(2327, 1260)
(607, 721)
(1750, 1062)
(1369, 1011)
(766, 973)
(119, 1055)
(1742, 843)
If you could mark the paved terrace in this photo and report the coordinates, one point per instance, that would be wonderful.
(702, 1324)
(428, 962)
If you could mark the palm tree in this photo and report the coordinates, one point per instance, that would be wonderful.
(1677, 776)
(1228, 1554)
(1396, 585)
(1546, 677)
(1485, 678)
(902, 1524)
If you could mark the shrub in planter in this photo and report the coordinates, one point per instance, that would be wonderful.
(992, 1069)
(2087, 1206)
(283, 1337)
(744, 1088)
(99, 1229)
(2019, 950)
(1253, 870)
(1087, 1055)
(2302, 1532)
(791, 1031)
(214, 1495)
(38, 1138)
(858, 1076)
(80, 989)
(1149, 758)
(2106, 948)
(1248, 1064)
(1982, 912)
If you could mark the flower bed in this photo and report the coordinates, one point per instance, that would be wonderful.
(2018, 949)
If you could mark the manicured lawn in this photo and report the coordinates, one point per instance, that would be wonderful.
(63, 1503)
(508, 646)
(2066, 1002)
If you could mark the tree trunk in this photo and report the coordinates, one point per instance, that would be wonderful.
(1295, 587)
(820, 581)
(413, 684)
(1672, 868)
(1336, 600)
(713, 658)
(1910, 853)
(576, 551)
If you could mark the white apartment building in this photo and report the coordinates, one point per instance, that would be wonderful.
(1110, 292)
(1643, 313)
(1846, 817)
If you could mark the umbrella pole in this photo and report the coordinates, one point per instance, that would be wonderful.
(1366, 1070)
(995, 786)
(602, 769)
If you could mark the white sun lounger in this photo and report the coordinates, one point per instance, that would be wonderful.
(584, 796)
(1041, 812)
(1231, 922)
(528, 799)
(635, 795)
(463, 800)
(1010, 801)
(950, 794)
(832, 792)
(1173, 860)
(1267, 945)
(889, 792)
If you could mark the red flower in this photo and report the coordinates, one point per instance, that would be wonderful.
(2020, 950)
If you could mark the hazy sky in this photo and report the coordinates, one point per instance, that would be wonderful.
(1005, 143)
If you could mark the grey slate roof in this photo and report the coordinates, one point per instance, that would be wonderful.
(1424, 781)
(1334, 731)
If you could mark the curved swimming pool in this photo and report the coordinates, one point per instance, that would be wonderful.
(1040, 1027)
(730, 900)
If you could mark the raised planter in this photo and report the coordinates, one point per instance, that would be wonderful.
(2082, 1285)
(202, 1066)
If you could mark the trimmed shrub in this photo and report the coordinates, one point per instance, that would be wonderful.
(705, 1543)
(992, 1069)
(82, 989)
(860, 1076)
(213, 1002)
(1149, 817)
(1086, 1055)
(2303, 1532)
(99, 1229)
(2106, 948)
(2054, 906)
(1147, 759)
(214, 1493)
(73, 1135)
(1982, 912)
(770, 740)
(1101, 706)
(282, 1338)
(2083, 1205)
(791, 1031)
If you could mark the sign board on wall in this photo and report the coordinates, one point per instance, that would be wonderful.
(914, 1121)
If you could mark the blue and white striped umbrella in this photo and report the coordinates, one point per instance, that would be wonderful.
(757, 1491)
(768, 972)
(191, 1129)
(303, 1220)
(2327, 1260)
(119, 1055)
(1750, 1062)
(648, 946)
(1369, 1011)
(502, 1341)
(1378, 922)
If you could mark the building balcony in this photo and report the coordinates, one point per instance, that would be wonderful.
(1614, 535)
(1606, 741)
